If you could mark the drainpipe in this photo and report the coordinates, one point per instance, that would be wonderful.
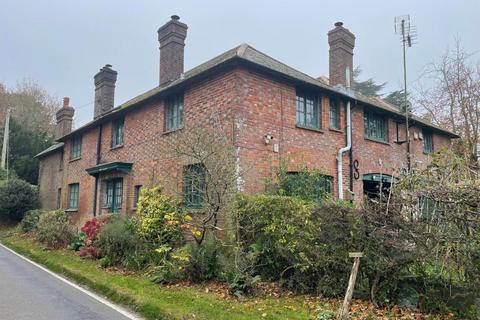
(97, 162)
(340, 153)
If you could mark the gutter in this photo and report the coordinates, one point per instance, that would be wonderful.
(348, 147)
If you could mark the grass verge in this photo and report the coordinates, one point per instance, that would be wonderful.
(152, 301)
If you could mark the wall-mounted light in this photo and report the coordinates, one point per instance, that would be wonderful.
(267, 138)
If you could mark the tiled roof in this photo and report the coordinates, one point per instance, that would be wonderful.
(52, 148)
(248, 54)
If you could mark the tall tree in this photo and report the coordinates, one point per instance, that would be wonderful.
(25, 143)
(397, 98)
(453, 101)
(367, 87)
(32, 126)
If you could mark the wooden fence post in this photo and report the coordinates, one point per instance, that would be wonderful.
(351, 284)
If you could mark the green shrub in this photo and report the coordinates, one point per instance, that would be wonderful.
(302, 246)
(160, 221)
(78, 241)
(119, 244)
(171, 267)
(16, 198)
(30, 220)
(54, 229)
(203, 260)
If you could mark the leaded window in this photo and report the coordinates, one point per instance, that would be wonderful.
(76, 150)
(375, 126)
(308, 110)
(73, 195)
(427, 142)
(194, 185)
(113, 194)
(308, 185)
(117, 133)
(334, 114)
(174, 113)
(136, 195)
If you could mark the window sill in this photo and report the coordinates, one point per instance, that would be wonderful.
(172, 130)
(309, 128)
(336, 130)
(74, 159)
(377, 141)
(116, 147)
(71, 210)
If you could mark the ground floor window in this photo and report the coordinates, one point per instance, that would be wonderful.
(194, 185)
(136, 195)
(113, 194)
(73, 195)
(59, 198)
(309, 185)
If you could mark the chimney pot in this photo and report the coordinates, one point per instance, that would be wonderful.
(66, 102)
(338, 24)
(172, 37)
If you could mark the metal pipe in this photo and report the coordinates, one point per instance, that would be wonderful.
(340, 153)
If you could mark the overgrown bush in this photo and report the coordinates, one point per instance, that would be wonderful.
(30, 220)
(16, 198)
(203, 259)
(160, 221)
(303, 247)
(54, 229)
(119, 244)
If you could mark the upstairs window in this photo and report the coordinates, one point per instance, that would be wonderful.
(76, 150)
(308, 110)
(174, 113)
(334, 114)
(375, 126)
(194, 185)
(117, 133)
(427, 142)
(73, 195)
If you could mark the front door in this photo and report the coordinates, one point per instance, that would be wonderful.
(114, 193)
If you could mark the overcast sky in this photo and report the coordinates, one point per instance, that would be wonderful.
(62, 44)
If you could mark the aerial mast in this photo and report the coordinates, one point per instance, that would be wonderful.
(408, 34)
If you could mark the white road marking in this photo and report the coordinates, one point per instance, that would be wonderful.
(89, 293)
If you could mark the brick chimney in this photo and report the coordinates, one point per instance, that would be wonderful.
(104, 90)
(341, 42)
(64, 117)
(172, 42)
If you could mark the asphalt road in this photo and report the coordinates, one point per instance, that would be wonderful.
(28, 292)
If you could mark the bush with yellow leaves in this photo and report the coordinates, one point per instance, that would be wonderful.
(160, 221)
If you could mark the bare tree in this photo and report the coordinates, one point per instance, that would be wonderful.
(454, 99)
(205, 155)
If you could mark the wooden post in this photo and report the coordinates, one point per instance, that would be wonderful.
(351, 284)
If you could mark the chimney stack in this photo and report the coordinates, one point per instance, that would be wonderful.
(64, 118)
(172, 42)
(341, 42)
(104, 90)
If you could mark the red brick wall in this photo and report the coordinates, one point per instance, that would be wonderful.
(256, 105)
(50, 179)
(268, 107)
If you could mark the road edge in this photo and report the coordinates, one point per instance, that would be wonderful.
(93, 295)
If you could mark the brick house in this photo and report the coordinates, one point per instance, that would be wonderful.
(276, 114)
